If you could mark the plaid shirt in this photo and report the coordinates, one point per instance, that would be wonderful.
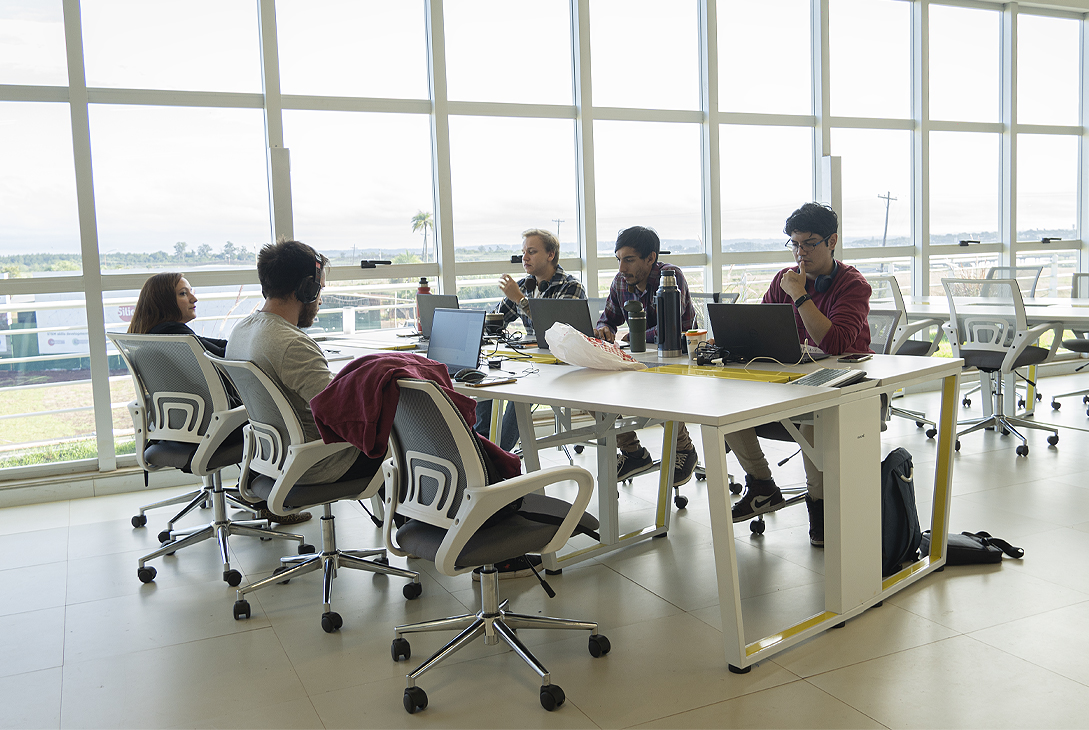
(614, 314)
(560, 286)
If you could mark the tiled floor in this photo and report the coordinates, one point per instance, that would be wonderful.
(84, 644)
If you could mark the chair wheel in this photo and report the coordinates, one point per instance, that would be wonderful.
(579, 448)
(306, 549)
(1085, 399)
(956, 445)
(1039, 397)
(241, 610)
(331, 621)
(552, 696)
(931, 433)
(415, 700)
(680, 501)
(164, 536)
(1056, 405)
(757, 527)
(1022, 450)
(412, 590)
(282, 569)
(1020, 402)
(233, 577)
(1053, 439)
(967, 402)
(400, 649)
(919, 424)
(1005, 432)
(382, 560)
(735, 488)
(146, 574)
(599, 645)
(139, 520)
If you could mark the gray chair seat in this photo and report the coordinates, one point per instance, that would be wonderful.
(526, 531)
(990, 361)
(179, 455)
(1077, 345)
(309, 495)
(916, 348)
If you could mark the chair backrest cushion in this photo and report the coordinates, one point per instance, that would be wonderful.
(883, 323)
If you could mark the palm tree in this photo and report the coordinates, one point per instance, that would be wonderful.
(423, 221)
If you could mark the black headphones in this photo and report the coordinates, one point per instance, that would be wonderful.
(532, 283)
(824, 282)
(308, 289)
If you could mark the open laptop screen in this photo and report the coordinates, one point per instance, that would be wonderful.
(749, 331)
(455, 338)
(547, 312)
(428, 303)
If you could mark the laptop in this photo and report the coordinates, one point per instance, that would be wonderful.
(748, 331)
(455, 338)
(547, 312)
(428, 303)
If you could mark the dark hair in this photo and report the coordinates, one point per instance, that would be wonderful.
(812, 218)
(644, 240)
(158, 302)
(283, 265)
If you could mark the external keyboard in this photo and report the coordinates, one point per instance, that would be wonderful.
(830, 377)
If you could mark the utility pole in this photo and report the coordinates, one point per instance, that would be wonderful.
(557, 221)
(887, 197)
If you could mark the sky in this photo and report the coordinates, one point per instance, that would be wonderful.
(198, 175)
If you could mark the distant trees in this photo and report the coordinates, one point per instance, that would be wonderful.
(423, 221)
(179, 250)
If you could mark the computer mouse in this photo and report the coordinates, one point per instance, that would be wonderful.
(469, 375)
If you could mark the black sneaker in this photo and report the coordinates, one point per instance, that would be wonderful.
(761, 495)
(816, 521)
(683, 467)
(633, 464)
(514, 568)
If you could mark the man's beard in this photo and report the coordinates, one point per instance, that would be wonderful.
(308, 314)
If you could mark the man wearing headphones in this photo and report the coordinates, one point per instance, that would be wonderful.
(292, 276)
(545, 278)
(831, 304)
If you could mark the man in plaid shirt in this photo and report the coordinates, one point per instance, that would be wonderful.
(545, 278)
(640, 273)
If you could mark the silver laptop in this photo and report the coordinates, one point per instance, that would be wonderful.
(428, 303)
(455, 338)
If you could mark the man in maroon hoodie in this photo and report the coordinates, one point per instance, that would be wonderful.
(831, 304)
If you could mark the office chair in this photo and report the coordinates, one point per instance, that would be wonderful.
(885, 293)
(988, 329)
(1079, 289)
(462, 517)
(884, 326)
(275, 456)
(184, 420)
(1027, 278)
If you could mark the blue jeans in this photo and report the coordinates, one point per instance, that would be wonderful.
(509, 437)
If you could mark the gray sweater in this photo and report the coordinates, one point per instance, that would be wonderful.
(297, 364)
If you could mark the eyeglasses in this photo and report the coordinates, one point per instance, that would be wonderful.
(807, 245)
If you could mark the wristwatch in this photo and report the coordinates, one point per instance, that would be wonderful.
(801, 300)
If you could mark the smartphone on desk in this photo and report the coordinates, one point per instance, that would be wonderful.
(859, 357)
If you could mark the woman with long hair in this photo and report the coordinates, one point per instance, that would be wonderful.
(166, 304)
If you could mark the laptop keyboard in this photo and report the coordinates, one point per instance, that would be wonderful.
(830, 377)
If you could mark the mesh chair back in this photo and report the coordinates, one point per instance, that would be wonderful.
(883, 324)
(177, 388)
(986, 313)
(1027, 277)
(1079, 289)
(885, 292)
(700, 301)
(597, 306)
(273, 423)
(437, 454)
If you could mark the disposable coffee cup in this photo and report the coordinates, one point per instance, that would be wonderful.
(695, 337)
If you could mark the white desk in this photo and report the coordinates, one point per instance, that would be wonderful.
(847, 447)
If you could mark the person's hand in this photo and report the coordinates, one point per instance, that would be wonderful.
(793, 282)
(604, 333)
(509, 287)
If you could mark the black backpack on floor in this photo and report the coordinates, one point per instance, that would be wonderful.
(900, 533)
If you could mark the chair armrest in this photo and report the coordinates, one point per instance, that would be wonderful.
(480, 503)
(954, 339)
(299, 459)
(223, 424)
(905, 331)
(1026, 338)
(139, 425)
